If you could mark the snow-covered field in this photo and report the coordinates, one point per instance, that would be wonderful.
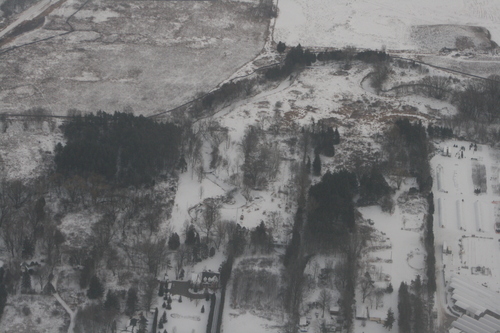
(378, 23)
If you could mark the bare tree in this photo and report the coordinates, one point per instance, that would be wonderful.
(149, 292)
(367, 285)
(17, 192)
(103, 233)
(75, 189)
(349, 53)
(398, 175)
(220, 232)
(44, 274)
(316, 268)
(324, 300)
(181, 256)
(379, 297)
(153, 218)
(380, 74)
(5, 208)
(97, 187)
(211, 214)
(152, 253)
(436, 86)
(14, 231)
(274, 220)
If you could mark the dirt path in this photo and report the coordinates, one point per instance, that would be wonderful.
(67, 308)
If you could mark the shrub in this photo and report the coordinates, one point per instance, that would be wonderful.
(26, 310)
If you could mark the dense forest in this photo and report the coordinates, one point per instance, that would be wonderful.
(331, 211)
(123, 148)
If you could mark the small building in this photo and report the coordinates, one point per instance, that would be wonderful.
(210, 280)
(195, 280)
(334, 310)
(361, 313)
(303, 324)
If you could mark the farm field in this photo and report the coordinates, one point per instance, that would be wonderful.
(141, 57)
(425, 25)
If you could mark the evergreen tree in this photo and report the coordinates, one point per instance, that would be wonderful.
(3, 298)
(260, 238)
(317, 165)
(174, 241)
(108, 145)
(404, 308)
(419, 315)
(332, 216)
(203, 309)
(191, 236)
(26, 282)
(143, 324)
(86, 273)
(161, 292)
(416, 285)
(389, 321)
(328, 141)
(281, 47)
(180, 298)
(112, 302)
(389, 289)
(131, 303)
(96, 289)
(336, 137)
(28, 248)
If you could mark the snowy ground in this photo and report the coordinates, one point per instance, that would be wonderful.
(396, 255)
(26, 151)
(45, 315)
(320, 91)
(378, 23)
(464, 221)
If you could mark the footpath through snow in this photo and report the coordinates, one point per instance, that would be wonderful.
(66, 307)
